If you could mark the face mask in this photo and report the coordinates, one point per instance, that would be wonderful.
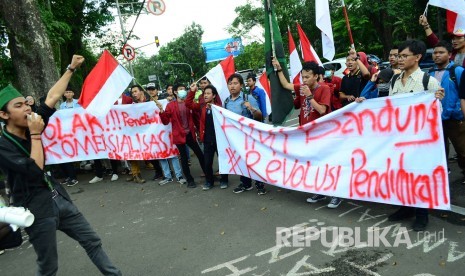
(383, 87)
(327, 74)
(182, 94)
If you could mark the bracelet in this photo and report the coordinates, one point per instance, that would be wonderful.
(33, 138)
(310, 97)
(279, 70)
(70, 69)
(35, 134)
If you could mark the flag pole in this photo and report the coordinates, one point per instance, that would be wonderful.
(344, 9)
(273, 51)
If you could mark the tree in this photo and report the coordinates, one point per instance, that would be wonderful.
(30, 48)
(253, 57)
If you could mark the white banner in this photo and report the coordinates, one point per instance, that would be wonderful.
(387, 150)
(127, 132)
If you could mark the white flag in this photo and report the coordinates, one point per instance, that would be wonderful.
(457, 6)
(323, 22)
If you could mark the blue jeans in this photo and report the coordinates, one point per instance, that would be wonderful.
(68, 219)
(165, 165)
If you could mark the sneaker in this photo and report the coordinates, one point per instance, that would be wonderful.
(114, 177)
(2, 251)
(207, 186)
(242, 188)
(402, 213)
(334, 203)
(95, 180)
(157, 176)
(165, 181)
(223, 185)
(182, 180)
(72, 182)
(191, 184)
(138, 179)
(261, 191)
(420, 223)
(66, 181)
(315, 198)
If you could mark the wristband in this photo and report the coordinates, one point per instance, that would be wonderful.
(33, 138)
(310, 97)
(279, 70)
(35, 134)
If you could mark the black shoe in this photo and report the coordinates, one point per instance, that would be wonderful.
(242, 188)
(191, 184)
(402, 213)
(420, 223)
(157, 176)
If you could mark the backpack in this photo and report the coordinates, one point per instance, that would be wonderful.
(452, 75)
(425, 80)
(245, 111)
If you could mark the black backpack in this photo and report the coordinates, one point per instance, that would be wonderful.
(452, 75)
(425, 80)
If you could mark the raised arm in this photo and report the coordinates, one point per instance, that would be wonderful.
(58, 89)
(282, 78)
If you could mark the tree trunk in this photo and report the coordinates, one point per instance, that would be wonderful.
(30, 48)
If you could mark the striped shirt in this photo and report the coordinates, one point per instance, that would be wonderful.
(414, 83)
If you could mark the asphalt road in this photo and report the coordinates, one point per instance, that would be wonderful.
(149, 229)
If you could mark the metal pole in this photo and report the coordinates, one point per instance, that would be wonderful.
(124, 38)
(270, 14)
(182, 63)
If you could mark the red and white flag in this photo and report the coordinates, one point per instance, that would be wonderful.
(308, 53)
(294, 60)
(218, 76)
(455, 23)
(104, 85)
(457, 6)
(323, 22)
(264, 84)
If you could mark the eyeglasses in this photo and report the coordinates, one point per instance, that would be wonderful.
(405, 56)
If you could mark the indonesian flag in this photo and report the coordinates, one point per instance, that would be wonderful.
(455, 23)
(323, 22)
(264, 84)
(218, 76)
(308, 53)
(457, 6)
(294, 60)
(104, 85)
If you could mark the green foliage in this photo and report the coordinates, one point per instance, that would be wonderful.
(187, 48)
(251, 58)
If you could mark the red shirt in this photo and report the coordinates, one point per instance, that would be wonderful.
(321, 94)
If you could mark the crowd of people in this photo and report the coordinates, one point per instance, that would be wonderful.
(190, 115)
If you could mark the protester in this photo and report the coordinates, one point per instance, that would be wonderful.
(462, 96)
(378, 86)
(138, 96)
(246, 106)
(182, 124)
(258, 93)
(449, 75)
(165, 165)
(353, 83)
(394, 59)
(168, 94)
(99, 171)
(68, 168)
(22, 158)
(314, 100)
(412, 79)
(207, 131)
(458, 41)
(334, 83)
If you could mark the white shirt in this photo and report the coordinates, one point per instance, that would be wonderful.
(414, 83)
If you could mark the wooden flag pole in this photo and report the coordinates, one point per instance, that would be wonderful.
(344, 9)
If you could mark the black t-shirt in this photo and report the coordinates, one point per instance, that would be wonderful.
(352, 85)
(209, 136)
(25, 178)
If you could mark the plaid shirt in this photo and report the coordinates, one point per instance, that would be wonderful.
(414, 83)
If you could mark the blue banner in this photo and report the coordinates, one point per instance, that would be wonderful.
(221, 49)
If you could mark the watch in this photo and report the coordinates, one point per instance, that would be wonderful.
(310, 97)
(70, 69)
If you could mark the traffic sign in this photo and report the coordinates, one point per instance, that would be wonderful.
(156, 7)
(128, 52)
